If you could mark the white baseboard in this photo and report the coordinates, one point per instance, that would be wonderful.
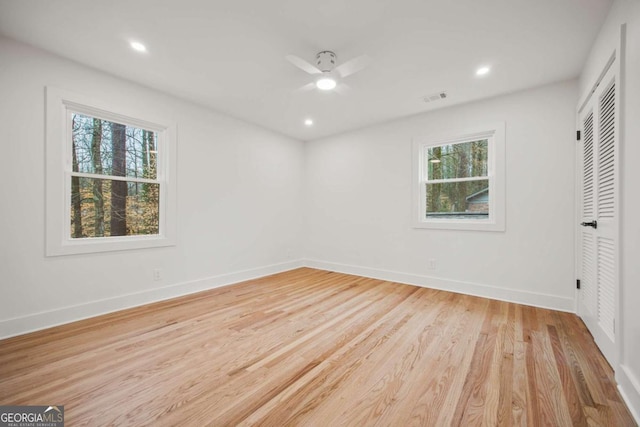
(629, 388)
(47, 319)
(503, 294)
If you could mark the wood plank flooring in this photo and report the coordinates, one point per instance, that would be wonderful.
(316, 348)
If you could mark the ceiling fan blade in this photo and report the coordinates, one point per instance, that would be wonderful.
(307, 87)
(303, 65)
(342, 89)
(353, 65)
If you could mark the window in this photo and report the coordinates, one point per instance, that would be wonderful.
(110, 178)
(459, 181)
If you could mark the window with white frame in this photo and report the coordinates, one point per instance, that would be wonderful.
(459, 181)
(110, 177)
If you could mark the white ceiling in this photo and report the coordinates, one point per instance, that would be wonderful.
(229, 54)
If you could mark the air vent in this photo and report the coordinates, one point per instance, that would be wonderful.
(435, 96)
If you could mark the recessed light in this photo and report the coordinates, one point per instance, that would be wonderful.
(308, 122)
(482, 71)
(326, 83)
(137, 46)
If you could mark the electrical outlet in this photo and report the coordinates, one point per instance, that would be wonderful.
(157, 274)
(431, 264)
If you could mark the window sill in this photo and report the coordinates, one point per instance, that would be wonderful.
(447, 224)
(107, 244)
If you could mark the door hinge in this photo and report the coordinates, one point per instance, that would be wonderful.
(578, 135)
(578, 284)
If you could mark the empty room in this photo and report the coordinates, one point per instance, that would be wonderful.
(333, 213)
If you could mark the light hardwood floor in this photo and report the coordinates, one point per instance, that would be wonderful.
(316, 348)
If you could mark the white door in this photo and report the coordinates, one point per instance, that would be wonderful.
(598, 214)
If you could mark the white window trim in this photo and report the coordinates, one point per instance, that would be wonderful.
(59, 105)
(495, 133)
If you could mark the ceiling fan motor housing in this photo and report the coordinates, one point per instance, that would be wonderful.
(326, 61)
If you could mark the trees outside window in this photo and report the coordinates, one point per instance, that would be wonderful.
(114, 185)
(460, 181)
(457, 175)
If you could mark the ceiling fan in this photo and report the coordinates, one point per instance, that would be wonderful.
(327, 73)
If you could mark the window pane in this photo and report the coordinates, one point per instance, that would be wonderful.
(463, 160)
(109, 148)
(103, 207)
(468, 199)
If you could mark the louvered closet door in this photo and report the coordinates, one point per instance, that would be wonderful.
(598, 232)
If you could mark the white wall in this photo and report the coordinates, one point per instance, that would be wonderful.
(359, 201)
(239, 192)
(625, 11)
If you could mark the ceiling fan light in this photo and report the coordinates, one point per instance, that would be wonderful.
(326, 83)
(137, 46)
(482, 71)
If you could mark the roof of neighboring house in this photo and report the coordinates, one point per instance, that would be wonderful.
(477, 195)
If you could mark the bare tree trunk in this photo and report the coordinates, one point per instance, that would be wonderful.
(460, 203)
(119, 188)
(145, 154)
(76, 201)
(475, 158)
(153, 159)
(434, 205)
(134, 152)
(145, 162)
(151, 194)
(98, 197)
